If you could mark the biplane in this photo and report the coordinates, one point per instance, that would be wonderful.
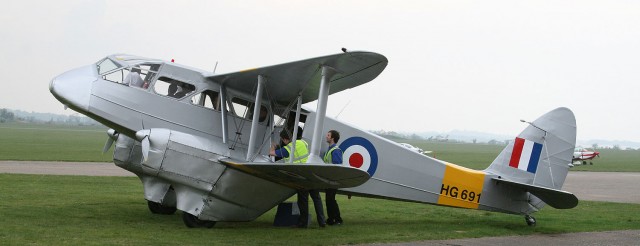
(199, 141)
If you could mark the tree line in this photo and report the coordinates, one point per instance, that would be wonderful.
(8, 115)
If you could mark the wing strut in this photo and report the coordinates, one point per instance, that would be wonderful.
(257, 106)
(321, 112)
(295, 129)
(223, 113)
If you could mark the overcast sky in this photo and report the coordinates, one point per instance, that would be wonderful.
(465, 65)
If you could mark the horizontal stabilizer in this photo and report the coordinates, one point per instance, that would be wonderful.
(555, 198)
(303, 176)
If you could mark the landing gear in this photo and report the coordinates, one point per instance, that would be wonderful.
(158, 208)
(531, 221)
(192, 221)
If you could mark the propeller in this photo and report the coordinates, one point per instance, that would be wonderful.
(143, 137)
(113, 135)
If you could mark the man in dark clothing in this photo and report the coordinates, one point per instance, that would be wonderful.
(333, 156)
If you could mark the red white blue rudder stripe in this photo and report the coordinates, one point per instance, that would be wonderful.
(358, 152)
(525, 155)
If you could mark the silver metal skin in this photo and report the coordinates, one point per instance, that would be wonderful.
(296, 123)
(189, 136)
(406, 175)
(323, 96)
(256, 116)
(223, 114)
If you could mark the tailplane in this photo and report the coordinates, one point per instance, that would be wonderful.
(539, 155)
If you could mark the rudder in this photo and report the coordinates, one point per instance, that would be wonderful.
(540, 154)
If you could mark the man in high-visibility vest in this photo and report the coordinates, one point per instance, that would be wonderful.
(300, 155)
(333, 156)
(301, 151)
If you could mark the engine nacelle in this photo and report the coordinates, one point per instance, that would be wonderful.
(203, 186)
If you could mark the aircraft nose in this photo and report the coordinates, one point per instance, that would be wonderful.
(73, 88)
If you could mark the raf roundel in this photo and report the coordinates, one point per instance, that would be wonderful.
(358, 152)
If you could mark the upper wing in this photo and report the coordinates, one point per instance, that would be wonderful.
(307, 176)
(286, 81)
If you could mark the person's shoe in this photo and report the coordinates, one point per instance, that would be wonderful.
(323, 225)
(331, 221)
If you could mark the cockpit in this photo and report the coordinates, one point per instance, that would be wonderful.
(142, 73)
(172, 81)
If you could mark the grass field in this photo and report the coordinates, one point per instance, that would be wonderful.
(39, 142)
(78, 210)
(613, 160)
(44, 209)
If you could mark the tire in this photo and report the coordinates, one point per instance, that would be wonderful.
(192, 221)
(158, 208)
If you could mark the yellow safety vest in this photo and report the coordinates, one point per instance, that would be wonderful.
(302, 152)
(327, 156)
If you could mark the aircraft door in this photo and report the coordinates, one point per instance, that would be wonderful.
(240, 114)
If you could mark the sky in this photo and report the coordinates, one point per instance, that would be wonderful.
(453, 65)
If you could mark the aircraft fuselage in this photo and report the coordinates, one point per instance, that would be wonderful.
(175, 125)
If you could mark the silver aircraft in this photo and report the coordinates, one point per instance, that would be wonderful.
(199, 141)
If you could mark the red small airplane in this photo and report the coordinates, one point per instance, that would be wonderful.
(581, 155)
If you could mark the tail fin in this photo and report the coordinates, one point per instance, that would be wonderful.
(540, 155)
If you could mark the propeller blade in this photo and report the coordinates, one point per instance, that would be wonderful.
(143, 137)
(107, 145)
(113, 135)
(145, 149)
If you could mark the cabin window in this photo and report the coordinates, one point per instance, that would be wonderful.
(208, 99)
(106, 66)
(244, 109)
(116, 76)
(148, 72)
(172, 88)
(136, 76)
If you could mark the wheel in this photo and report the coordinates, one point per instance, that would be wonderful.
(531, 221)
(158, 208)
(192, 221)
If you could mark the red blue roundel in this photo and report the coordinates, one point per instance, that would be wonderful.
(358, 152)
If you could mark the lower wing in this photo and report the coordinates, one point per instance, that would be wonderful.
(303, 176)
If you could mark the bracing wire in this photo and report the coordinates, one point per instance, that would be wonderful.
(286, 110)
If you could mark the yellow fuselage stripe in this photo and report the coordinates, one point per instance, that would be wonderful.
(461, 187)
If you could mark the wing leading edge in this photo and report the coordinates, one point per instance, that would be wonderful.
(307, 176)
(286, 81)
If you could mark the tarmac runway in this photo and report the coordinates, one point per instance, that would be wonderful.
(591, 186)
(63, 168)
